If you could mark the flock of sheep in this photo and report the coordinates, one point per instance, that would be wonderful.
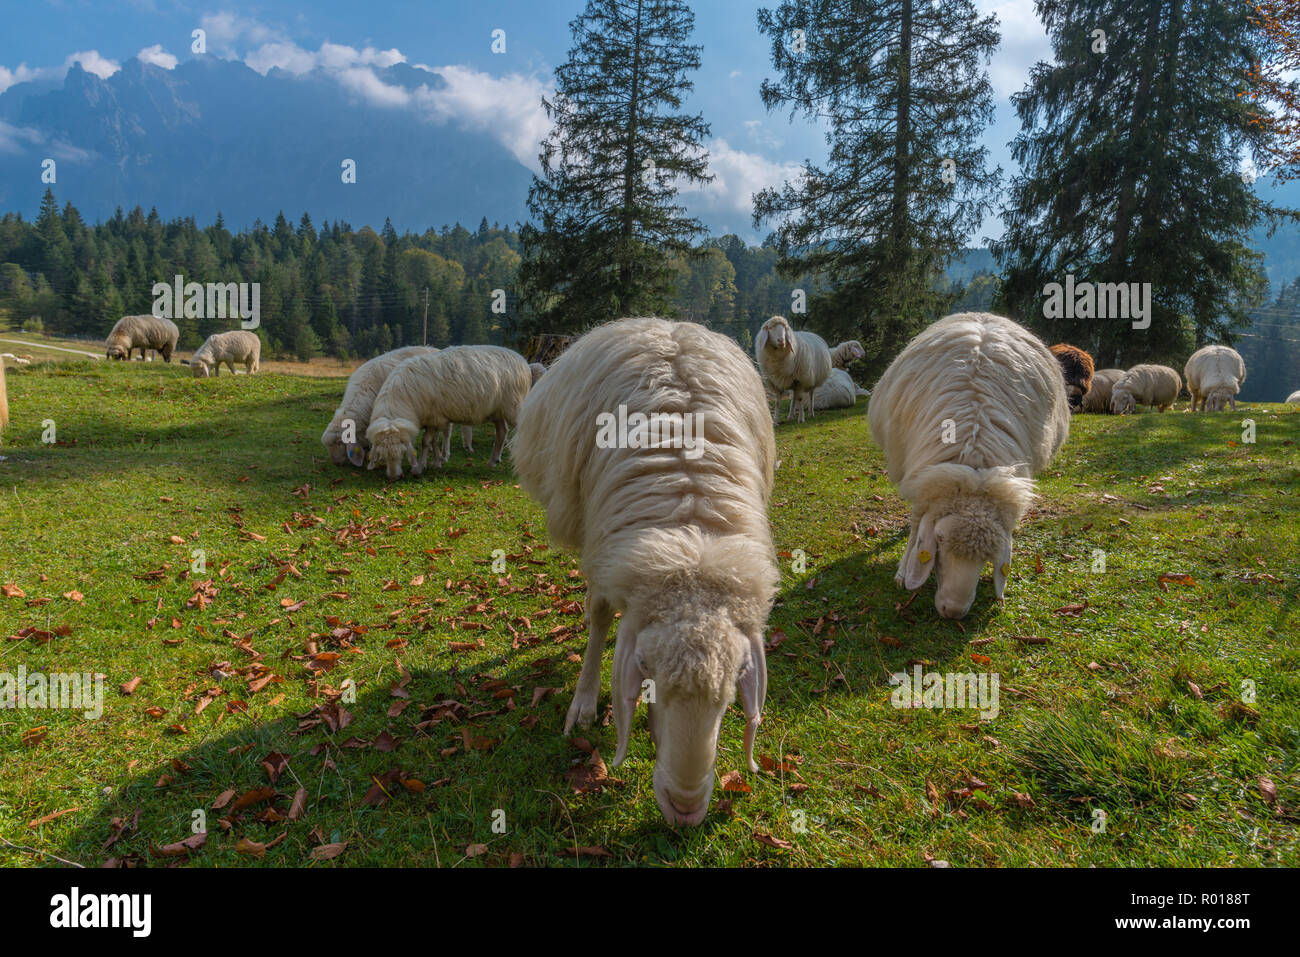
(967, 414)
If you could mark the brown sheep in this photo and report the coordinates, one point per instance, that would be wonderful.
(1077, 367)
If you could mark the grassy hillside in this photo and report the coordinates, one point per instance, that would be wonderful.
(1119, 693)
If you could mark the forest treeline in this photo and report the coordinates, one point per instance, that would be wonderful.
(332, 290)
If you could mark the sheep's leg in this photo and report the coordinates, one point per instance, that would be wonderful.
(794, 400)
(418, 465)
(600, 615)
(499, 444)
(466, 437)
(446, 444)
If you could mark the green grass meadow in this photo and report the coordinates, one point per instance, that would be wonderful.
(1141, 722)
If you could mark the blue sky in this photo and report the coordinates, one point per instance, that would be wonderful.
(750, 148)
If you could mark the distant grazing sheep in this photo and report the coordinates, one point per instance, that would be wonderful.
(966, 415)
(1098, 397)
(798, 361)
(16, 360)
(1293, 398)
(847, 352)
(673, 534)
(467, 384)
(238, 345)
(838, 392)
(143, 333)
(1077, 368)
(1214, 377)
(1146, 384)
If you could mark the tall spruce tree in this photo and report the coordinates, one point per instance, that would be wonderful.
(604, 223)
(1131, 174)
(903, 89)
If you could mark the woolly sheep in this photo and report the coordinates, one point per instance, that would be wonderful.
(537, 369)
(143, 333)
(838, 392)
(799, 361)
(1214, 376)
(358, 399)
(677, 538)
(238, 345)
(1145, 385)
(966, 414)
(467, 384)
(1294, 398)
(1098, 397)
(847, 352)
(1077, 368)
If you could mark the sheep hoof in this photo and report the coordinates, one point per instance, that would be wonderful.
(581, 712)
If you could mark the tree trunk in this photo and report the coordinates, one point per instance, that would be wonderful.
(1141, 120)
(629, 158)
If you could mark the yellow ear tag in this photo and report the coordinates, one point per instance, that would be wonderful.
(924, 556)
(1006, 570)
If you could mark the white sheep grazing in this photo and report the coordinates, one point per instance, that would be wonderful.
(1293, 398)
(143, 333)
(966, 415)
(466, 384)
(799, 361)
(847, 352)
(673, 532)
(238, 345)
(1214, 376)
(1145, 385)
(838, 392)
(1097, 398)
(345, 435)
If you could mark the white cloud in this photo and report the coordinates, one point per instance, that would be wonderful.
(92, 62)
(20, 74)
(157, 56)
(283, 54)
(335, 56)
(363, 82)
(509, 107)
(738, 175)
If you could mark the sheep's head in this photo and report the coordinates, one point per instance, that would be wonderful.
(1074, 394)
(390, 440)
(199, 369)
(537, 370)
(688, 668)
(855, 350)
(776, 335)
(116, 351)
(968, 521)
(1121, 401)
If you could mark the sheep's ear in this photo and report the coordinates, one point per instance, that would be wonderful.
(357, 455)
(1002, 569)
(919, 560)
(625, 688)
(752, 685)
(370, 459)
(761, 342)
